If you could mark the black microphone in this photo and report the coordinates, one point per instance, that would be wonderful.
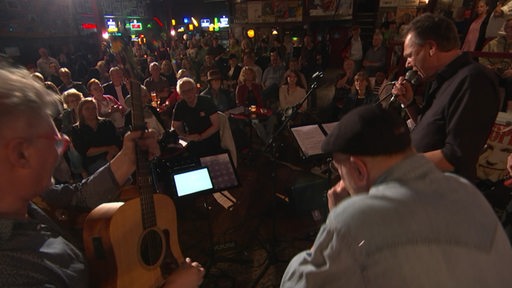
(412, 77)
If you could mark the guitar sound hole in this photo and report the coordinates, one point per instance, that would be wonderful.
(151, 248)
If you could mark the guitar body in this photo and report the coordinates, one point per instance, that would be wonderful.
(121, 253)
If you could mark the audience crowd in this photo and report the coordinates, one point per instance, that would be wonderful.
(190, 85)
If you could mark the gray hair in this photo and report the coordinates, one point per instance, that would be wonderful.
(152, 64)
(184, 80)
(22, 96)
(71, 93)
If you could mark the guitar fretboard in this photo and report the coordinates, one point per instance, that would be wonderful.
(143, 170)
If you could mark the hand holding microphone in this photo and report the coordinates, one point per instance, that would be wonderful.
(403, 88)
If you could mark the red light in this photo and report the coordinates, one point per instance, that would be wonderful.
(89, 26)
(158, 22)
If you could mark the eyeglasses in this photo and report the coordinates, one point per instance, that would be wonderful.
(62, 141)
(333, 168)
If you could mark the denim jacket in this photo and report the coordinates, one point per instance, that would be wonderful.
(417, 227)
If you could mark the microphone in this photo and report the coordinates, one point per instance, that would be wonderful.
(412, 77)
(317, 75)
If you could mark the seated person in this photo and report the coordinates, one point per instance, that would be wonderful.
(224, 100)
(116, 87)
(294, 65)
(233, 73)
(34, 251)
(362, 92)
(342, 88)
(272, 77)
(167, 108)
(221, 97)
(249, 93)
(68, 83)
(108, 106)
(207, 65)
(292, 93)
(167, 71)
(196, 120)
(386, 189)
(94, 138)
(69, 116)
(375, 58)
(153, 121)
(157, 83)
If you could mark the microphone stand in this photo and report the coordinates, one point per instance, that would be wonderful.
(271, 146)
(288, 118)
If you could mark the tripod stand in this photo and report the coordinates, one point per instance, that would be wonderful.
(271, 147)
(217, 246)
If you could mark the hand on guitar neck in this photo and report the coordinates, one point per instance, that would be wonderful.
(125, 161)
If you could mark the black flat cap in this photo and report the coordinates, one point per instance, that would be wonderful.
(368, 131)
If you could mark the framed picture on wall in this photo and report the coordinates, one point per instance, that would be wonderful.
(340, 9)
(410, 3)
(388, 3)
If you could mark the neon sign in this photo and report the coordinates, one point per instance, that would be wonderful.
(205, 22)
(223, 22)
(134, 25)
(111, 26)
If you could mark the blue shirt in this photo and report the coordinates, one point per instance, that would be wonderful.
(417, 227)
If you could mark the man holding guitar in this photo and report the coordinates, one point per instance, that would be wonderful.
(34, 252)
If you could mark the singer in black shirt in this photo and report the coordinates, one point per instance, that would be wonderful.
(452, 124)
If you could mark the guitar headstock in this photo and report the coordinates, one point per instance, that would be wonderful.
(122, 50)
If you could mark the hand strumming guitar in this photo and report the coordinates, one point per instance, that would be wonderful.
(188, 275)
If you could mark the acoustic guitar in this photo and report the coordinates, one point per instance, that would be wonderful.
(133, 244)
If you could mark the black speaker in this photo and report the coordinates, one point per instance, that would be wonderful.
(309, 192)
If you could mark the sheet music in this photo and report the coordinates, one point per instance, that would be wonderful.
(329, 126)
(310, 139)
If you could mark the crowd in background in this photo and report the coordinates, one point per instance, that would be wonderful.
(270, 73)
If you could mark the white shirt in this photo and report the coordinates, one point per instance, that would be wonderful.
(120, 96)
(356, 49)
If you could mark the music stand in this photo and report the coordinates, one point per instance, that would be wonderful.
(222, 171)
(221, 175)
(289, 114)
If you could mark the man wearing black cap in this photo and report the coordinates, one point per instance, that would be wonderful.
(461, 102)
(405, 224)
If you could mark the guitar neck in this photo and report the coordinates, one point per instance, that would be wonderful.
(143, 173)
